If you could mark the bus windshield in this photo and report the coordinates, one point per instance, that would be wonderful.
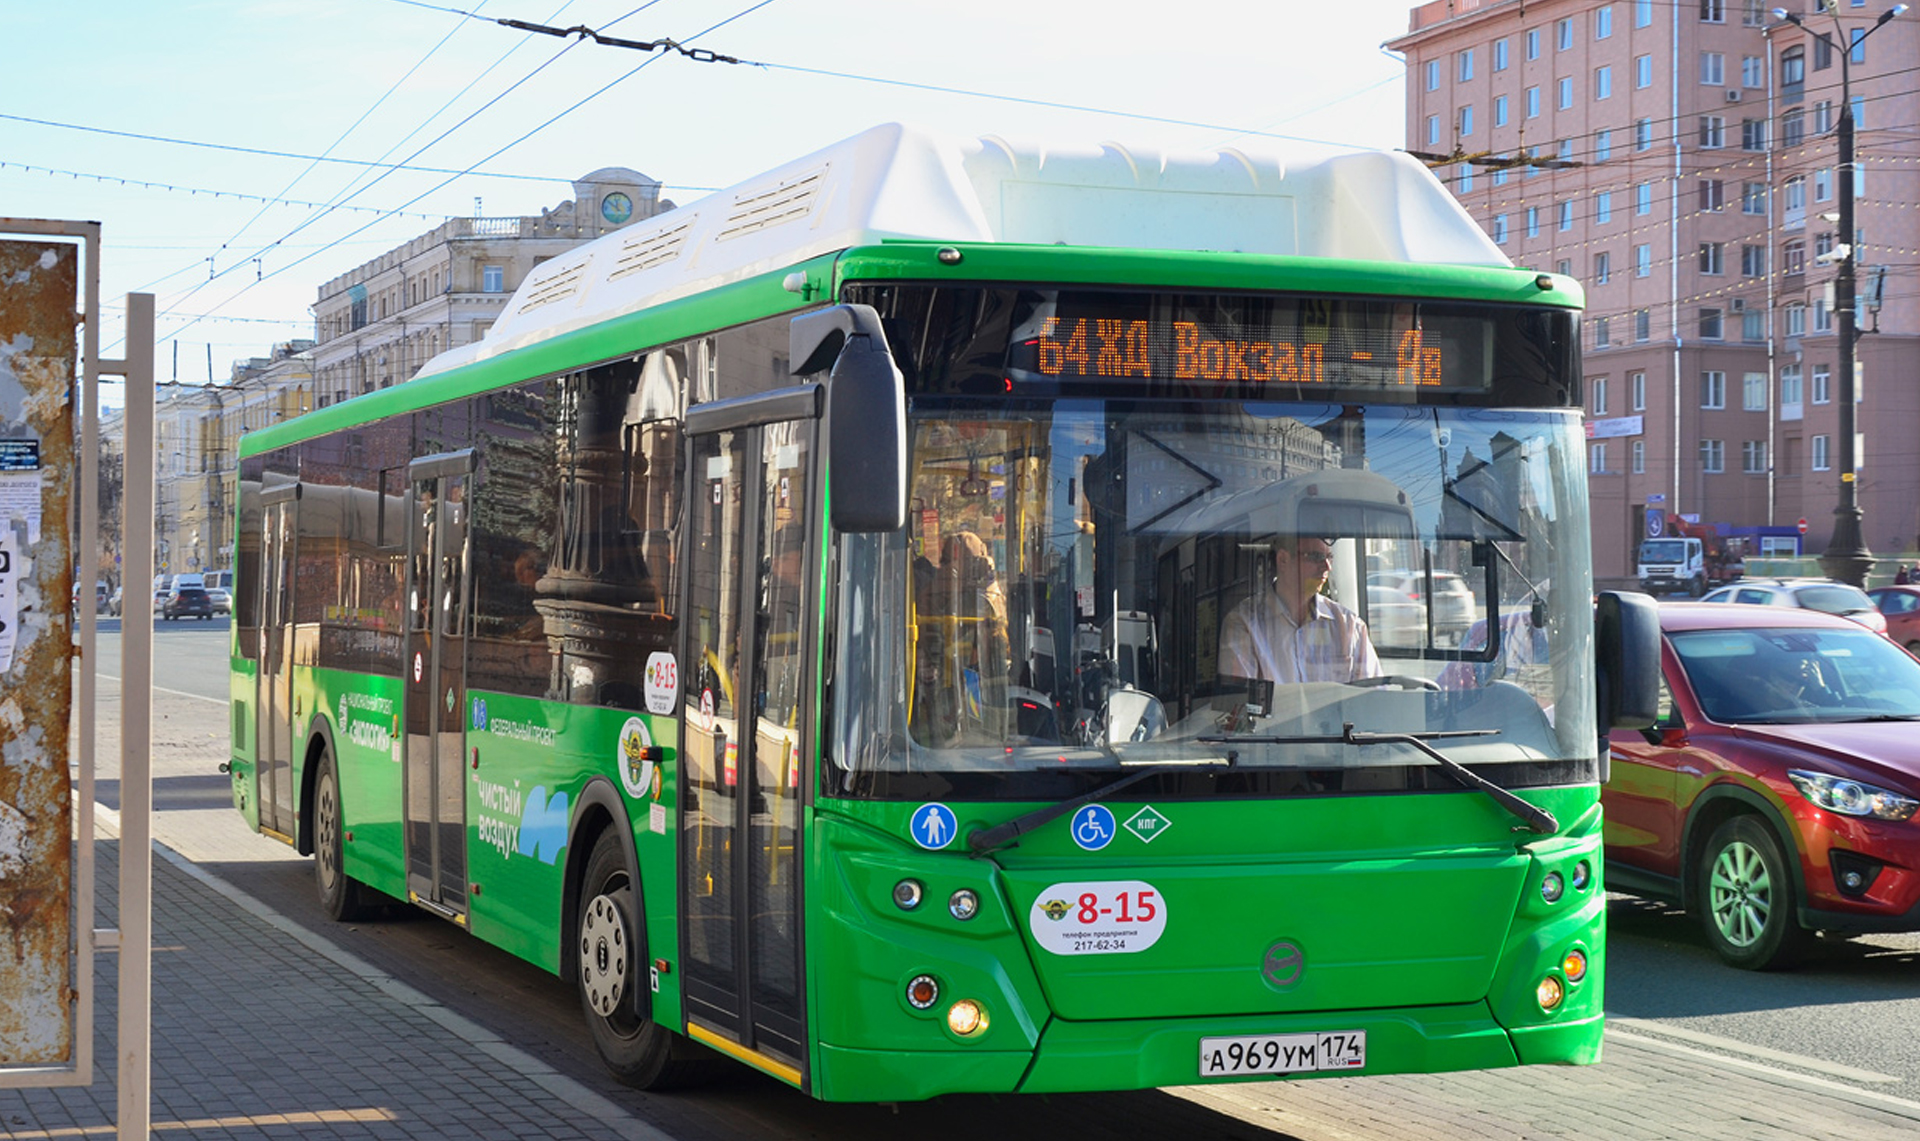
(1080, 579)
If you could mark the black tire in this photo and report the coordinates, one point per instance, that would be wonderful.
(610, 947)
(341, 896)
(1745, 898)
(1697, 587)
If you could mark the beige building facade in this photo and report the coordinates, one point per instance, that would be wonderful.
(377, 324)
(1680, 160)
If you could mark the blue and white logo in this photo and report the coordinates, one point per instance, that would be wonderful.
(933, 825)
(1093, 827)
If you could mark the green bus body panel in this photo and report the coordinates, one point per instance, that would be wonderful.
(242, 684)
(1396, 902)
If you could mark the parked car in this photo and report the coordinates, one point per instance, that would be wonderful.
(187, 602)
(100, 597)
(1812, 594)
(222, 600)
(114, 602)
(1901, 607)
(1452, 600)
(1775, 795)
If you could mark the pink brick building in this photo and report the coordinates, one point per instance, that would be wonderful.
(1696, 217)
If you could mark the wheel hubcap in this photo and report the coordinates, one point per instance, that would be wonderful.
(1741, 894)
(327, 824)
(603, 955)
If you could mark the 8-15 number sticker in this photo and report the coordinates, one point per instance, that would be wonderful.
(1102, 917)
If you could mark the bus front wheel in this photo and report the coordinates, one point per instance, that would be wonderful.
(612, 949)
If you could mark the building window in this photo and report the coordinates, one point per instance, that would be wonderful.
(1710, 326)
(1642, 71)
(1754, 17)
(1753, 134)
(493, 279)
(1602, 339)
(1466, 120)
(1859, 52)
(1753, 71)
(1822, 387)
(1597, 459)
(1637, 387)
(1533, 221)
(1566, 214)
(1563, 35)
(1500, 229)
(1598, 386)
(1499, 55)
(1433, 75)
(1753, 261)
(1793, 73)
(1753, 457)
(1796, 320)
(1602, 82)
(1564, 267)
(1643, 198)
(1822, 54)
(1713, 389)
(1823, 184)
(1602, 268)
(1642, 330)
(1499, 110)
(1712, 195)
(1793, 258)
(1533, 44)
(1466, 177)
(1603, 22)
(1433, 130)
(1642, 13)
(1710, 260)
(1713, 11)
(1793, 128)
(1566, 94)
(1713, 69)
(1713, 456)
(1500, 176)
(1713, 131)
(1819, 460)
(1753, 325)
(1603, 207)
(1466, 65)
(1822, 246)
(1823, 116)
(1533, 102)
(1822, 317)
(1638, 450)
(1753, 198)
(1642, 134)
(1790, 392)
(1753, 392)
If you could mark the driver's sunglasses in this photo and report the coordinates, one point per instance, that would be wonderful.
(1320, 557)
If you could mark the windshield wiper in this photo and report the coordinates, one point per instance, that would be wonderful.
(1872, 717)
(1537, 819)
(1000, 835)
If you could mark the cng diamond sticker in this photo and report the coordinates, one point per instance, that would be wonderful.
(1147, 824)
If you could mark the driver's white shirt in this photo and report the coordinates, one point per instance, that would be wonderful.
(1261, 640)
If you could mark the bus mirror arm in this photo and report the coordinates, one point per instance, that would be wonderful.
(1626, 628)
(866, 415)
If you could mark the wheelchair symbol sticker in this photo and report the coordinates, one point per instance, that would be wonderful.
(1093, 827)
(933, 826)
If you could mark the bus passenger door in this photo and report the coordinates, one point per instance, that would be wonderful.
(748, 727)
(435, 664)
(273, 739)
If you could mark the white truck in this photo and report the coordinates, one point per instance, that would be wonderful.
(1673, 564)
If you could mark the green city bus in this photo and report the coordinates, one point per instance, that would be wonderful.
(798, 621)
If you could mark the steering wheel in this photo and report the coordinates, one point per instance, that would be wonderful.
(1404, 681)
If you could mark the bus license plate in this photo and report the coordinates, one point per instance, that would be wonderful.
(1282, 1053)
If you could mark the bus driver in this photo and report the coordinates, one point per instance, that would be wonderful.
(1293, 633)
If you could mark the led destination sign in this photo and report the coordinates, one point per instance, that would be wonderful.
(1115, 349)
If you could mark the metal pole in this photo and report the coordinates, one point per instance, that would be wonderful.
(135, 1015)
(1846, 557)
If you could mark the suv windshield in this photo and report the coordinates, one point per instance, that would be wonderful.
(1788, 675)
(1089, 581)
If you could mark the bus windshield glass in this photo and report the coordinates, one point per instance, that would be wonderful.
(1110, 573)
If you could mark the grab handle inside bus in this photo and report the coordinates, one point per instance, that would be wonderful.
(866, 415)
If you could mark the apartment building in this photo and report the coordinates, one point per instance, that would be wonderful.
(1680, 159)
(378, 323)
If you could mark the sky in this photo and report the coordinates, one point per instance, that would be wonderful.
(237, 152)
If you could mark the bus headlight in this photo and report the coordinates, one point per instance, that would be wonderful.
(963, 904)
(1550, 992)
(966, 1018)
(1553, 887)
(906, 894)
(1574, 965)
(922, 992)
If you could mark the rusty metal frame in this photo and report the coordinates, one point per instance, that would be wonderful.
(134, 937)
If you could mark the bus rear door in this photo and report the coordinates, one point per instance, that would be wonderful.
(435, 664)
(747, 727)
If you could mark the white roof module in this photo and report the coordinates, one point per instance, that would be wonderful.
(900, 182)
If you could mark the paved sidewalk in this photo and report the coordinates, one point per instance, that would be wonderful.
(256, 1035)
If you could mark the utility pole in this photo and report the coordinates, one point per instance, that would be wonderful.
(1846, 557)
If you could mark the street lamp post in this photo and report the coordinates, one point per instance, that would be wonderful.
(1846, 557)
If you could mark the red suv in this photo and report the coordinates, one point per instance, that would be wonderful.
(1775, 796)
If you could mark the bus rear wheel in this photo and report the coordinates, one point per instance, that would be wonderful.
(611, 948)
(341, 896)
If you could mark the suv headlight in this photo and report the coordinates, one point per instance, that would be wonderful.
(1852, 797)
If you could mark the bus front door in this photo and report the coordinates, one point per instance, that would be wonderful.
(747, 729)
(435, 664)
(273, 738)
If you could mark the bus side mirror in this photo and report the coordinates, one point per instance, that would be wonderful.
(1626, 629)
(866, 415)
